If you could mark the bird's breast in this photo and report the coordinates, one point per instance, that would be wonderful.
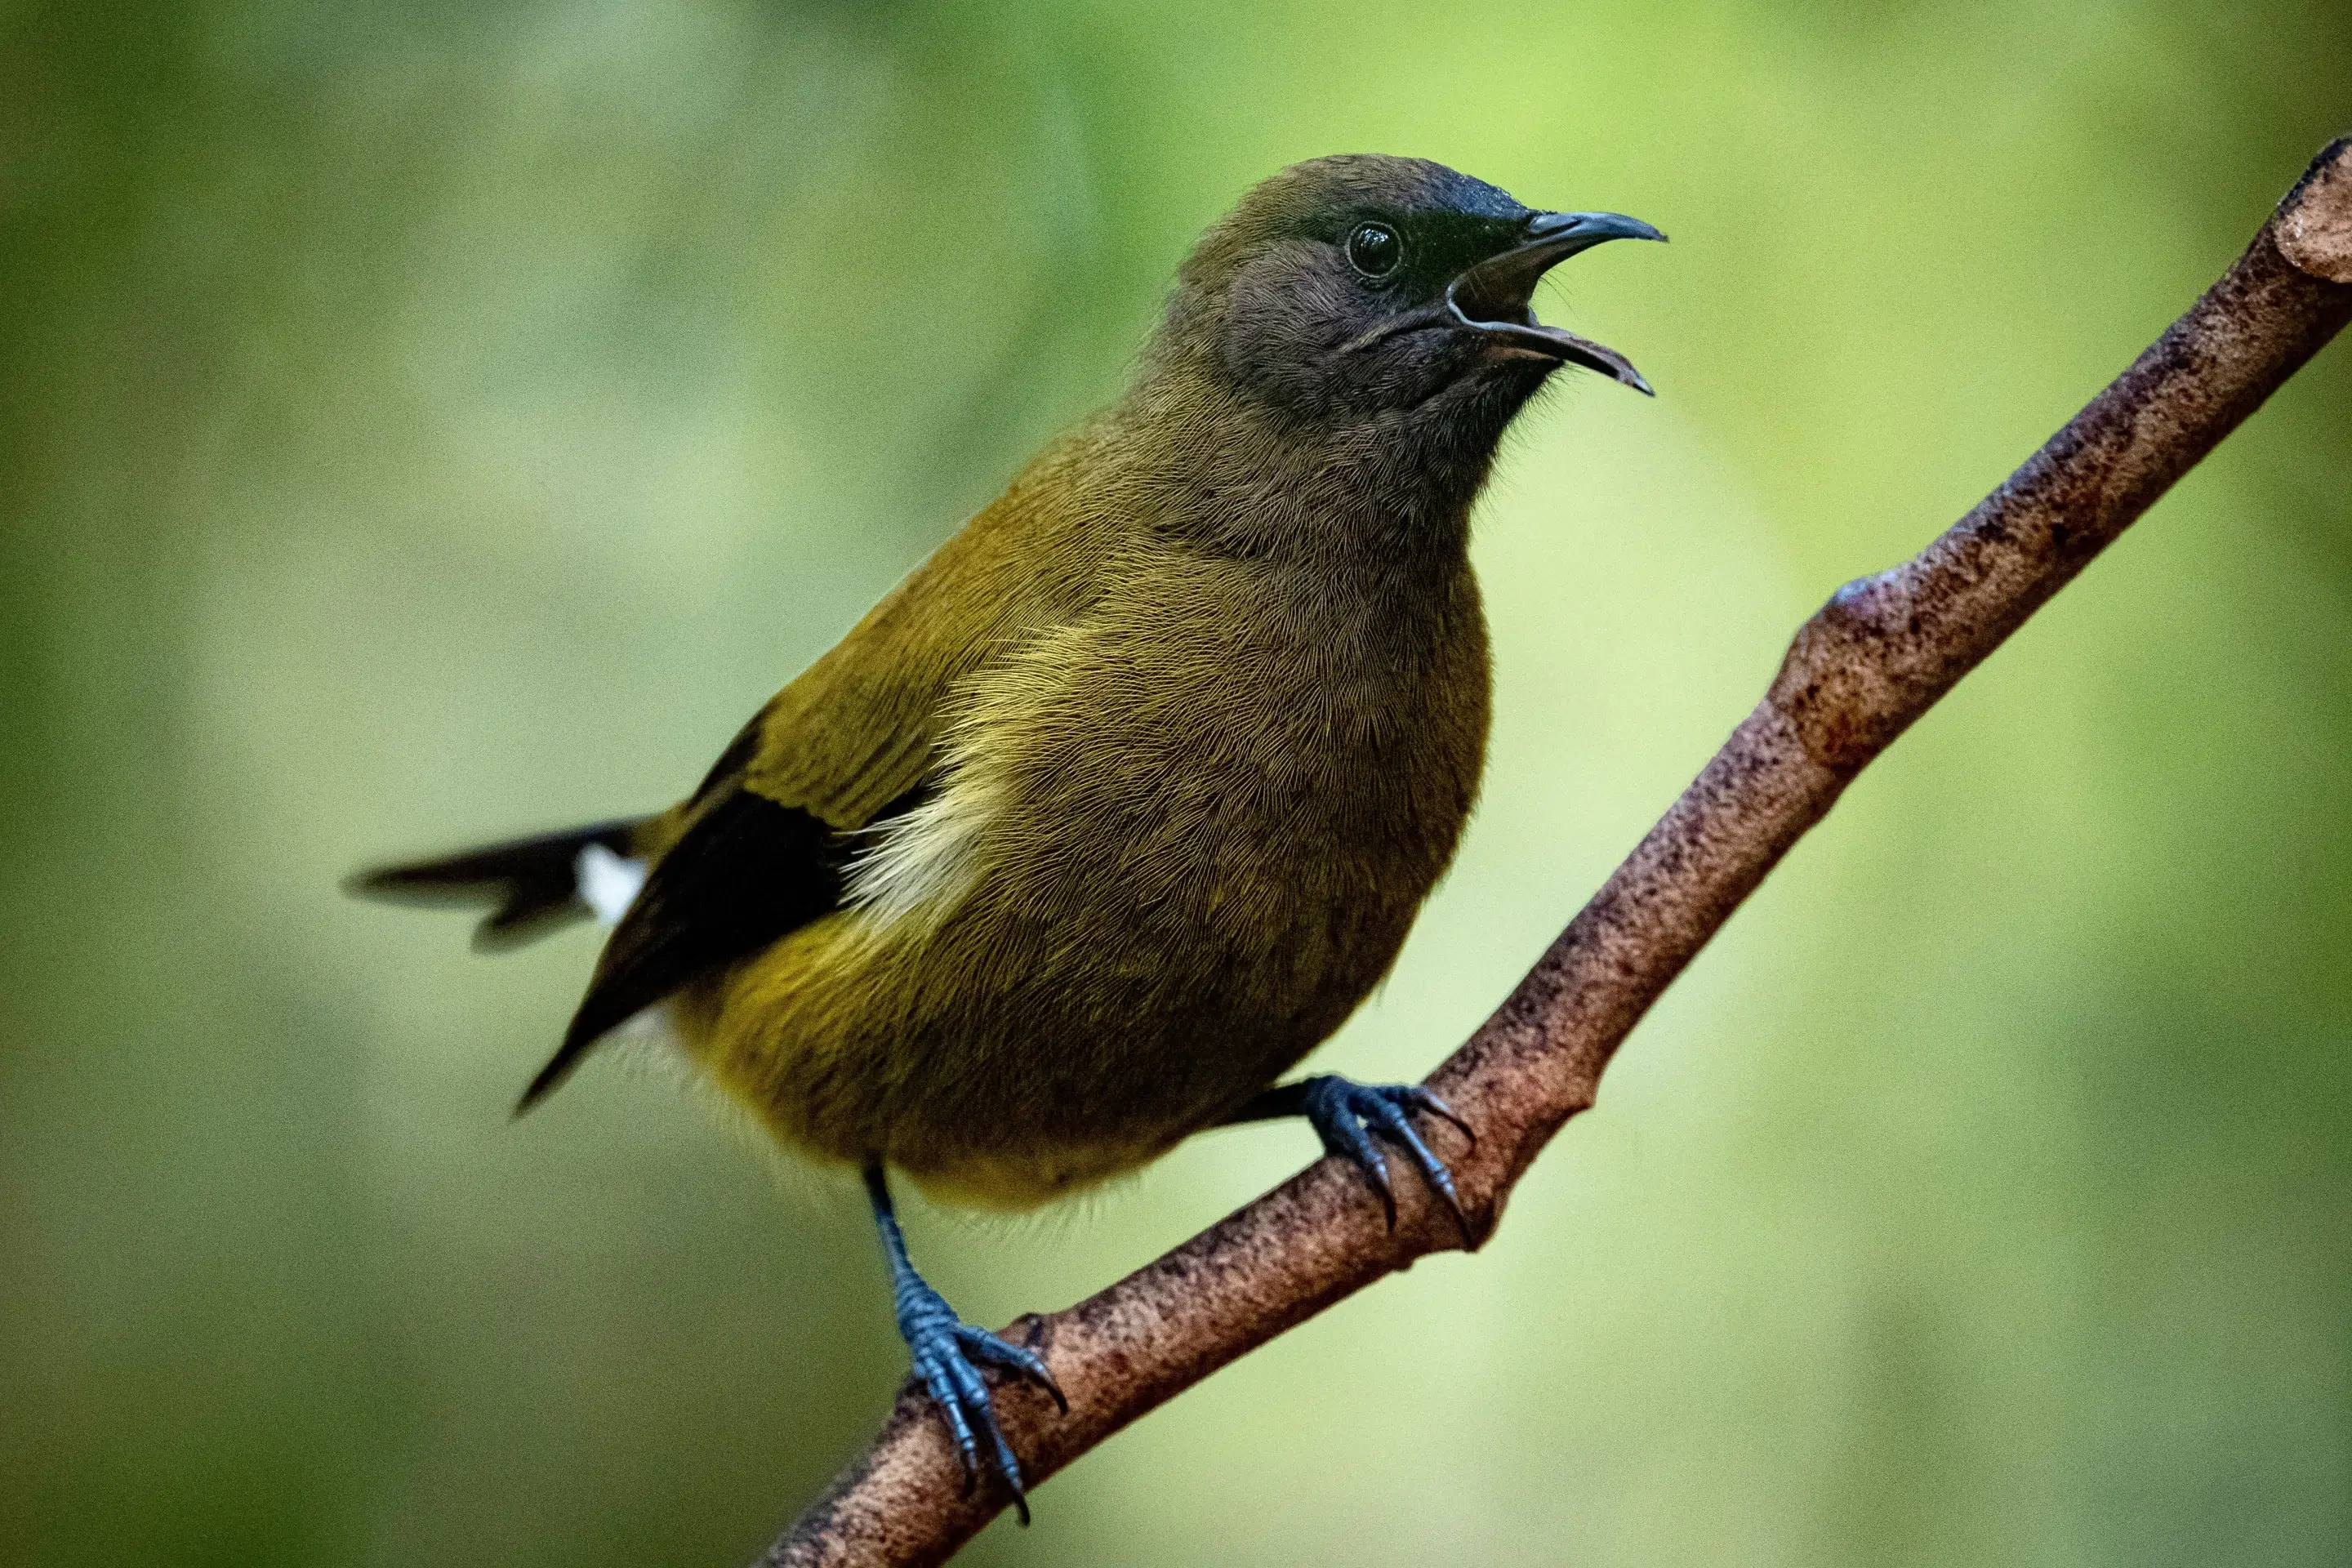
(1214, 777)
(1169, 847)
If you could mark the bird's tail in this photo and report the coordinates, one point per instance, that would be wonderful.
(533, 885)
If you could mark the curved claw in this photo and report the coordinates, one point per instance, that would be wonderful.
(948, 1354)
(1424, 1101)
(940, 1381)
(1013, 1358)
(1433, 1170)
(1344, 1112)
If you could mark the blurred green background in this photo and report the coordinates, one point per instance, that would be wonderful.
(420, 423)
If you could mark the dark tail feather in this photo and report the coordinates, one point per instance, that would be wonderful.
(534, 883)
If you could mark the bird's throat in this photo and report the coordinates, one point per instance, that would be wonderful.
(1375, 495)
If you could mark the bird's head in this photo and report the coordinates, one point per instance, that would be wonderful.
(1347, 289)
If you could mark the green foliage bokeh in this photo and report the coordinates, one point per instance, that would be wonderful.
(424, 423)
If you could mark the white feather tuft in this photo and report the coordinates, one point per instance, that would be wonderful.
(608, 883)
(924, 861)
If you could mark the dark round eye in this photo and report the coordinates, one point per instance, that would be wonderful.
(1375, 249)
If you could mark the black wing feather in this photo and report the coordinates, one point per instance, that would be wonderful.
(747, 872)
(533, 883)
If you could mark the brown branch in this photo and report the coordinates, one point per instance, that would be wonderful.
(1874, 658)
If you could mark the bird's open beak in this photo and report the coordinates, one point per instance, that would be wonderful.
(1493, 297)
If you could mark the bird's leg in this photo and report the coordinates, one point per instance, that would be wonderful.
(1344, 1114)
(948, 1353)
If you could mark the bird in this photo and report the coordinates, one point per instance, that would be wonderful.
(1123, 800)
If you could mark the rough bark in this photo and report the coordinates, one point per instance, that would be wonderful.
(1875, 658)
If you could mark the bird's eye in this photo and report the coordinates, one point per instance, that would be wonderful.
(1374, 250)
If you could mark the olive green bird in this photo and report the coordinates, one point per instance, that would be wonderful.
(1120, 804)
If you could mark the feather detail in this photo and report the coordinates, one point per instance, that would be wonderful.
(608, 883)
(925, 858)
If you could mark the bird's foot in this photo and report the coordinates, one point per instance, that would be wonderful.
(1344, 1114)
(948, 1353)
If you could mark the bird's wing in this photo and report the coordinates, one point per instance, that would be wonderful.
(745, 872)
(862, 725)
(759, 850)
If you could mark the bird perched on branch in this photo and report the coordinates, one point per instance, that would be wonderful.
(1122, 801)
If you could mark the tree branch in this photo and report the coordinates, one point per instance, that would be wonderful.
(1875, 658)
